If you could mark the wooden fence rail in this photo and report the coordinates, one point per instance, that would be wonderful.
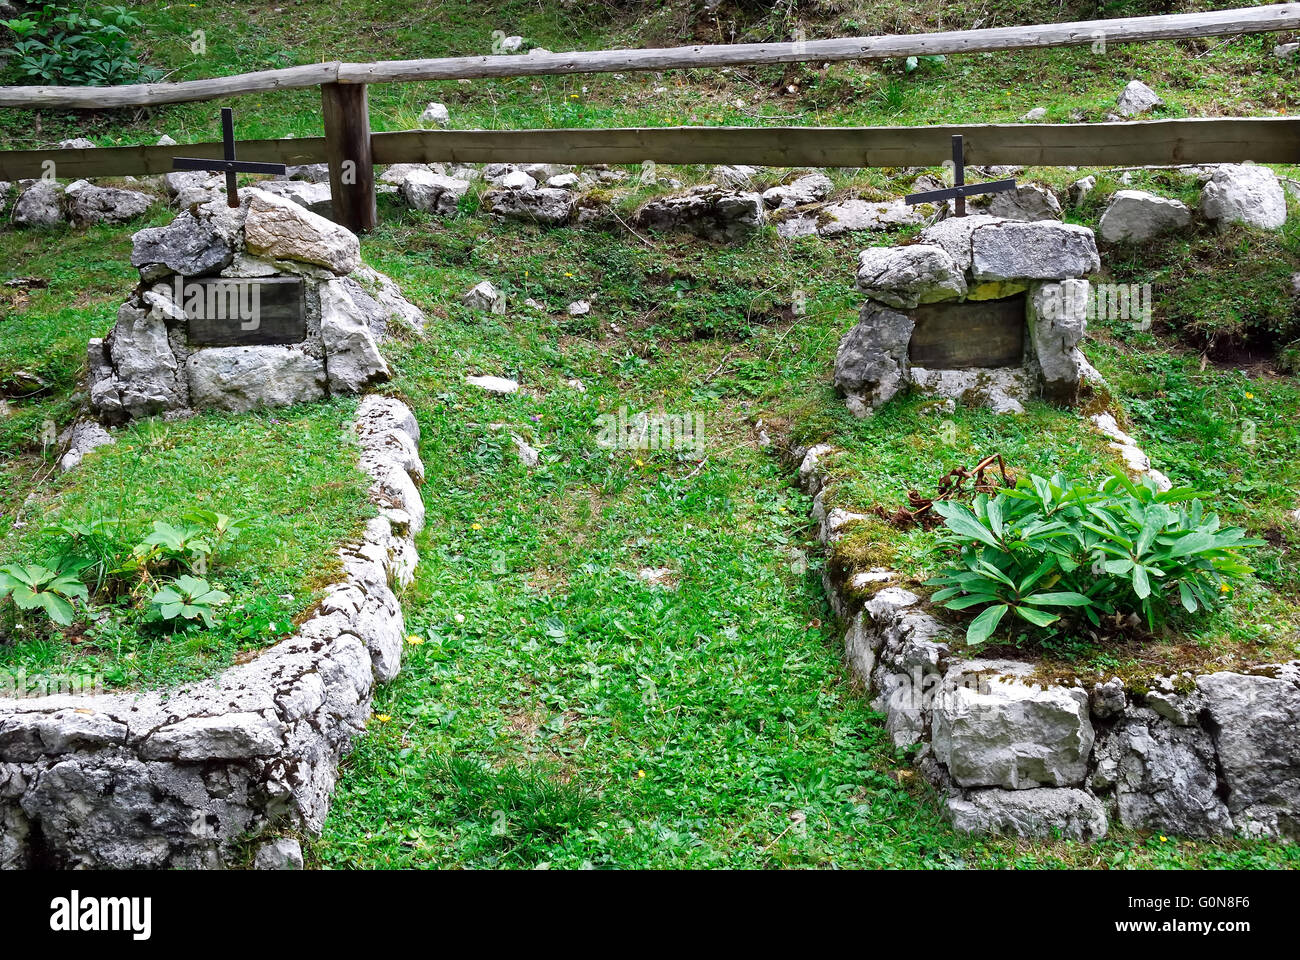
(349, 145)
(1265, 19)
(1152, 142)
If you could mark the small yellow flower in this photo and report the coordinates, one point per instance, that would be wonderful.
(1250, 396)
(382, 717)
(476, 526)
(640, 463)
(415, 641)
(1224, 588)
(640, 774)
(1164, 839)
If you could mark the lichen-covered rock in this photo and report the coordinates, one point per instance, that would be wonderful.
(39, 205)
(1244, 193)
(857, 214)
(432, 192)
(1038, 250)
(283, 230)
(143, 375)
(1137, 215)
(954, 235)
(186, 188)
(87, 204)
(1163, 776)
(1000, 389)
(1039, 813)
(1012, 735)
(549, 206)
(871, 363)
(1256, 727)
(807, 189)
(904, 277)
(707, 211)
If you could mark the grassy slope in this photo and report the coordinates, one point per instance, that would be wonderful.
(611, 722)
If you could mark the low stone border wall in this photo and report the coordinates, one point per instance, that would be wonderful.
(1204, 756)
(181, 777)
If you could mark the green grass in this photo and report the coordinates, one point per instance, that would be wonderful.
(289, 471)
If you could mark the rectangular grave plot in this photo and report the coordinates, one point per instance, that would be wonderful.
(975, 333)
(245, 312)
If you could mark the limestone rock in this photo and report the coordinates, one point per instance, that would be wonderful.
(436, 114)
(39, 205)
(432, 192)
(485, 296)
(1137, 98)
(1028, 201)
(1057, 316)
(283, 230)
(314, 196)
(136, 373)
(1038, 250)
(1039, 813)
(1244, 193)
(241, 379)
(1081, 188)
(310, 172)
(1163, 776)
(198, 242)
(856, 214)
(89, 204)
(78, 440)
(807, 189)
(282, 854)
(77, 143)
(737, 176)
(871, 362)
(907, 276)
(708, 211)
(187, 188)
(352, 358)
(549, 206)
(1000, 389)
(1012, 735)
(493, 384)
(954, 236)
(1257, 733)
(1136, 215)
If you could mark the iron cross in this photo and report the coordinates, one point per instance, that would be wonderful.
(960, 189)
(230, 166)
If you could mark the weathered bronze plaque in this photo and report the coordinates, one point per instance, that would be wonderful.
(974, 333)
(241, 312)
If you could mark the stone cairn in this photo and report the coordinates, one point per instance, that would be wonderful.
(148, 366)
(969, 260)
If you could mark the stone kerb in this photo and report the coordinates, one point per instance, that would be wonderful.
(972, 260)
(182, 777)
(1197, 755)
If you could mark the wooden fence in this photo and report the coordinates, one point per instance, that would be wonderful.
(349, 144)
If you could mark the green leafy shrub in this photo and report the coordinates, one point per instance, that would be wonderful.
(1056, 552)
(62, 45)
(187, 598)
(50, 588)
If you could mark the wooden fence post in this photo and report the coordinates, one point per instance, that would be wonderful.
(346, 110)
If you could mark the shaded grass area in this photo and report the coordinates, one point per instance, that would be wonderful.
(288, 471)
(555, 709)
